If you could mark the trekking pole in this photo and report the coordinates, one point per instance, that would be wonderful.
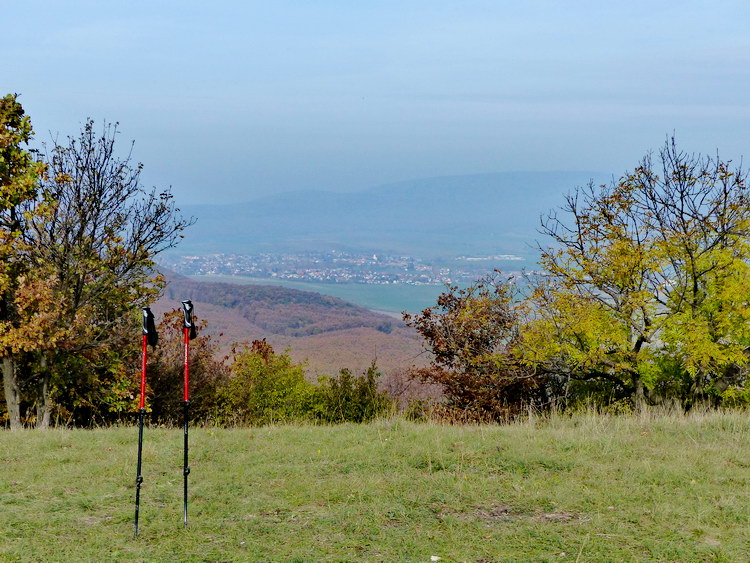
(149, 336)
(188, 329)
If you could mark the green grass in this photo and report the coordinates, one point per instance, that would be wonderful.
(588, 488)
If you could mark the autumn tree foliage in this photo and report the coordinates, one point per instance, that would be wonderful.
(95, 240)
(645, 296)
(84, 239)
(472, 334)
(20, 171)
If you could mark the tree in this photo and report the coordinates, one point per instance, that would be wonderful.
(645, 287)
(472, 335)
(90, 237)
(19, 174)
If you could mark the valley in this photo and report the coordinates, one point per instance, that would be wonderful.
(326, 332)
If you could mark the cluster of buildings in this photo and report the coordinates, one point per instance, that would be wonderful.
(329, 267)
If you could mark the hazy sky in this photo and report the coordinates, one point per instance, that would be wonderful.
(229, 100)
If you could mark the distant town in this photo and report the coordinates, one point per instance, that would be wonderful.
(341, 267)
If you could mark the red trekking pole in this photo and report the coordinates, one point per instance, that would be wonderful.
(149, 336)
(188, 329)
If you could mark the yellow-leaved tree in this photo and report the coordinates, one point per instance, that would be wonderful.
(645, 292)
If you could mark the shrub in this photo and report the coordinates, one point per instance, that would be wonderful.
(472, 334)
(418, 410)
(736, 397)
(349, 398)
(263, 387)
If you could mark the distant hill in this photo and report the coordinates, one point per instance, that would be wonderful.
(490, 213)
(327, 332)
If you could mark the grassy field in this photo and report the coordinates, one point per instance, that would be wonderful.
(387, 298)
(587, 488)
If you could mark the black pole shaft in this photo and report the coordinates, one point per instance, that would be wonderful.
(139, 477)
(188, 330)
(185, 468)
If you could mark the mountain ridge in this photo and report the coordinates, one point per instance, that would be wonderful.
(493, 213)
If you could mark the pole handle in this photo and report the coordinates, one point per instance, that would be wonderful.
(187, 322)
(149, 327)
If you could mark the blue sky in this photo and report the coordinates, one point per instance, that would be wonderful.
(230, 100)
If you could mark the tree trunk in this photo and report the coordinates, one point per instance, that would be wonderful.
(43, 402)
(640, 394)
(12, 393)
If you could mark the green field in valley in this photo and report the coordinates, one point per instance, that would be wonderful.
(581, 488)
(392, 298)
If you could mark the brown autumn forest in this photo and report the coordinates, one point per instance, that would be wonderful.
(325, 332)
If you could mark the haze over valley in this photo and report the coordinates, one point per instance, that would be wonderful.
(450, 216)
(391, 247)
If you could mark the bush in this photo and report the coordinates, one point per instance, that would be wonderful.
(418, 410)
(259, 387)
(472, 334)
(263, 387)
(349, 398)
(736, 397)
